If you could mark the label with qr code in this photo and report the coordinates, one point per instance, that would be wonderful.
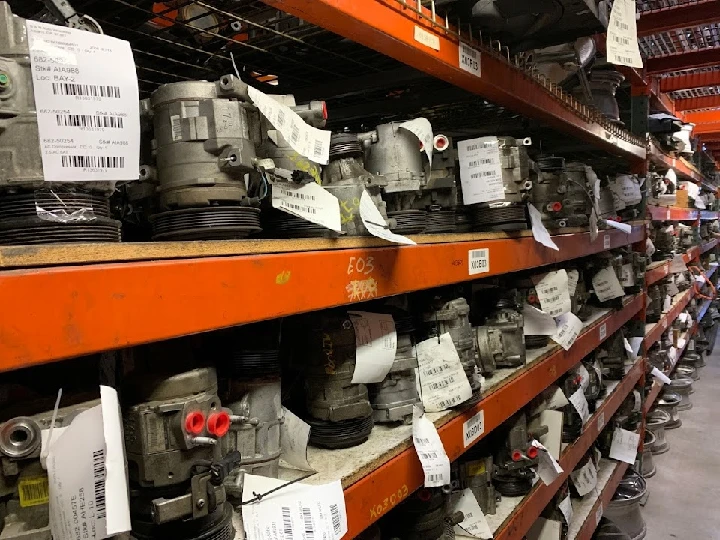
(88, 115)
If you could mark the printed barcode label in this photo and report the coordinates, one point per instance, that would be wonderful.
(176, 127)
(318, 148)
(450, 402)
(297, 195)
(34, 491)
(287, 523)
(428, 455)
(295, 133)
(478, 261)
(89, 121)
(434, 478)
(335, 513)
(626, 59)
(92, 90)
(307, 520)
(99, 478)
(603, 331)
(299, 208)
(622, 25)
(623, 40)
(93, 162)
(422, 440)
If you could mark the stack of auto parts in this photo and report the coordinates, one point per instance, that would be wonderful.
(340, 415)
(252, 395)
(669, 402)
(23, 480)
(634, 267)
(528, 294)
(518, 175)
(500, 342)
(421, 517)
(687, 371)
(648, 468)
(579, 301)
(603, 85)
(392, 400)
(476, 474)
(31, 210)
(658, 357)
(611, 355)
(655, 300)
(656, 422)
(204, 147)
(572, 423)
(453, 316)
(173, 424)
(345, 177)
(664, 241)
(624, 508)
(682, 386)
(562, 194)
(516, 458)
(595, 388)
(439, 195)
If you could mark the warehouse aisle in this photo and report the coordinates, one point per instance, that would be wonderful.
(684, 493)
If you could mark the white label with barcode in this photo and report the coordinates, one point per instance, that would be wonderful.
(310, 201)
(430, 450)
(598, 514)
(606, 241)
(553, 291)
(293, 511)
(622, 41)
(473, 428)
(481, 170)
(469, 59)
(443, 383)
(86, 474)
(603, 331)
(88, 115)
(601, 421)
(306, 140)
(426, 38)
(478, 261)
(176, 127)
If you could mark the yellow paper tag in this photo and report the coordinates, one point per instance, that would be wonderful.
(34, 491)
(476, 468)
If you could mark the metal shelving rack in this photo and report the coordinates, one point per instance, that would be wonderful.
(91, 298)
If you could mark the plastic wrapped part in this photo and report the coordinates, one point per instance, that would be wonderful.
(518, 176)
(340, 414)
(65, 208)
(345, 177)
(453, 316)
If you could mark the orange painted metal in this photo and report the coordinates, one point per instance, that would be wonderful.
(656, 331)
(691, 254)
(681, 166)
(697, 13)
(702, 117)
(377, 493)
(389, 26)
(591, 522)
(529, 510)
(687, 60)
(687, 81)
(86, 309)
(656, 274)
(673, 213)
(695, 103)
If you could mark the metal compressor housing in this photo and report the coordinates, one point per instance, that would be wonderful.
(500, 341)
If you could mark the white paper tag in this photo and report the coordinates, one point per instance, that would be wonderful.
(629, 189)
(376, 224)
(553, 293)
(624, 227)
(584, 375)
(635, 343)
(294, 436)
(573, 278)
(430, 450)
(87, 475)
(606, 285)
(691, 345)
(422, 129)
(606, 241)
(308, 201)
(480, 170)
(469, 59)
(548, 467)
(660, 376)
(603, 331)
(622, 40)
(580, 403)
(478, 261)
(298, 510)
(474, 428)
(585, 478)
(598, 514)
(474, 523)
(375, 346)
(568, 329)
(624, 446)
(628, 349)
(566, 509)
(537, 323)
(649, 247)
(672, 354)
(443, 382)
(427, 38)
(88, 116)
(628, 275)
(540, 233)
(667, 303)
(601, 421)
(306, 140)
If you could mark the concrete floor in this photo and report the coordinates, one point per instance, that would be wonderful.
(685, 491)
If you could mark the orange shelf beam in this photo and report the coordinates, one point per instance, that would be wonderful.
(657, 273)
(660, 20)
(592, 521)
(530, 508)
(391, 27)
(687, 60)
(78, 310)
(403, 474)
(680, 165)
(695, 103)
(688, 81)
(671, 213)
(667, 319)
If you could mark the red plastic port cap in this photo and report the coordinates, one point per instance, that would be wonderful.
(516, 455)
(195, 423)
(532, 452)
(218, 424)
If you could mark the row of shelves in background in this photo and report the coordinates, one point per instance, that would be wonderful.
(682, 167)
(661, 269)
(675, 213)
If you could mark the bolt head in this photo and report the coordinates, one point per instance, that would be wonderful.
(200, 503)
